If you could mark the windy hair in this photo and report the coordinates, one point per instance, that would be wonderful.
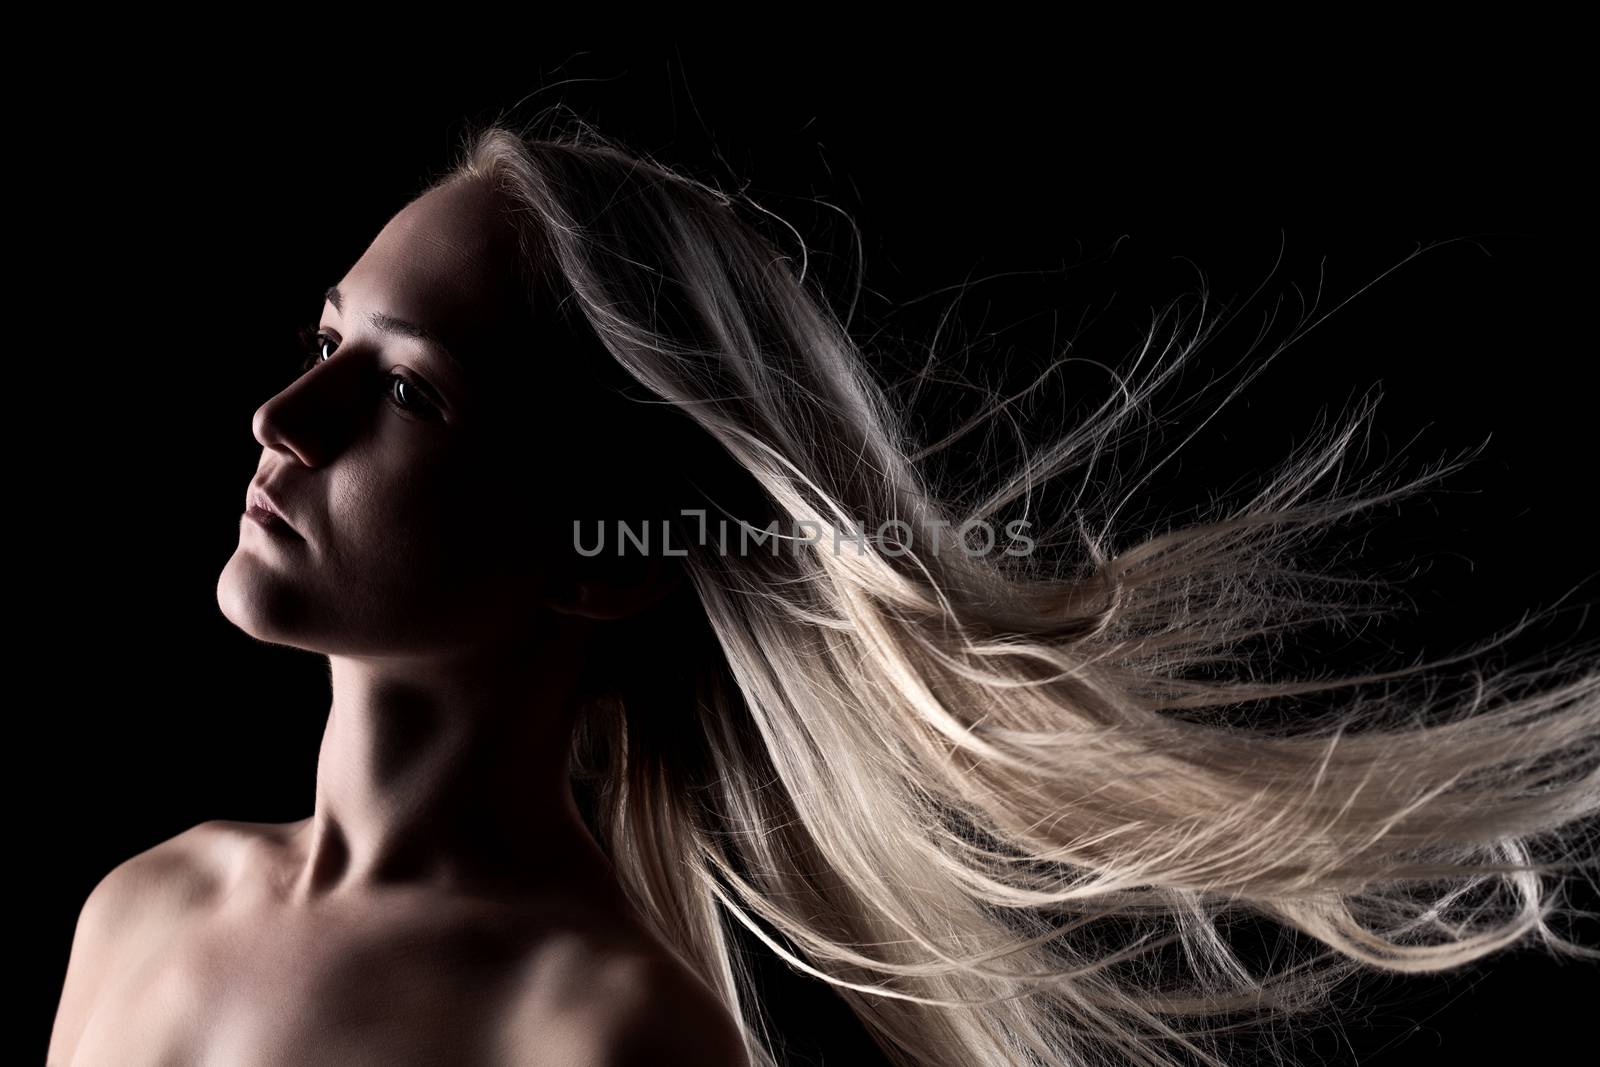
(1015, 807)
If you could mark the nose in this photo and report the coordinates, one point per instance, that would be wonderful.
(303, 418)
(273, 429)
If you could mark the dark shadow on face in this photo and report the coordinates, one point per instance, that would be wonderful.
(424, 479)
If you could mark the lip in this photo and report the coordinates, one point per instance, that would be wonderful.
(263, 509)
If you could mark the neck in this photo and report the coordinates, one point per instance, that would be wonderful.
(449, 771)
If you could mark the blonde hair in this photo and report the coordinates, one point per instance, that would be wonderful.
(1003, 803)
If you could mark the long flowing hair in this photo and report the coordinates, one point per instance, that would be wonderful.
(1015, 807)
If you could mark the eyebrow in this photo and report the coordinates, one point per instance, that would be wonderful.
(389, 324)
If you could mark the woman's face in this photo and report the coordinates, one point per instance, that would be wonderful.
(405, 460)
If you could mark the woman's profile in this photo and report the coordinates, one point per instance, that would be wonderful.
(652, 621)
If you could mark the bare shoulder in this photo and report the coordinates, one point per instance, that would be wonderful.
(665, 1015)
(621, 1004)
(135, 899)
(162, 881)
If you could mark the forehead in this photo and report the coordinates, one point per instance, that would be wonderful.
(446, 261)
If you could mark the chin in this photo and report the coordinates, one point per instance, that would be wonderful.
(262, 603)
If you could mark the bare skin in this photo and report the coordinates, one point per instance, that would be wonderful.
(444, 902)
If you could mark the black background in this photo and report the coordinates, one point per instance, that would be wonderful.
(198, 209)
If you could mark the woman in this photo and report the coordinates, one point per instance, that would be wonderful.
(968, 766)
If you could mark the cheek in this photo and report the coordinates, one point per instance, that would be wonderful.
(460, 516)
(494, 521)
(391, 519)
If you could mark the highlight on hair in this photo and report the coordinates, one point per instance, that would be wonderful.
(1014, 809)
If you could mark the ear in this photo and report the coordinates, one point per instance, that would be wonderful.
(615, 592)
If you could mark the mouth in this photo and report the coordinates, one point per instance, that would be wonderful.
(263, 510)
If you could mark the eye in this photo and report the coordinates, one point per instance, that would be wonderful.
(407, 396)
(312, 347)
